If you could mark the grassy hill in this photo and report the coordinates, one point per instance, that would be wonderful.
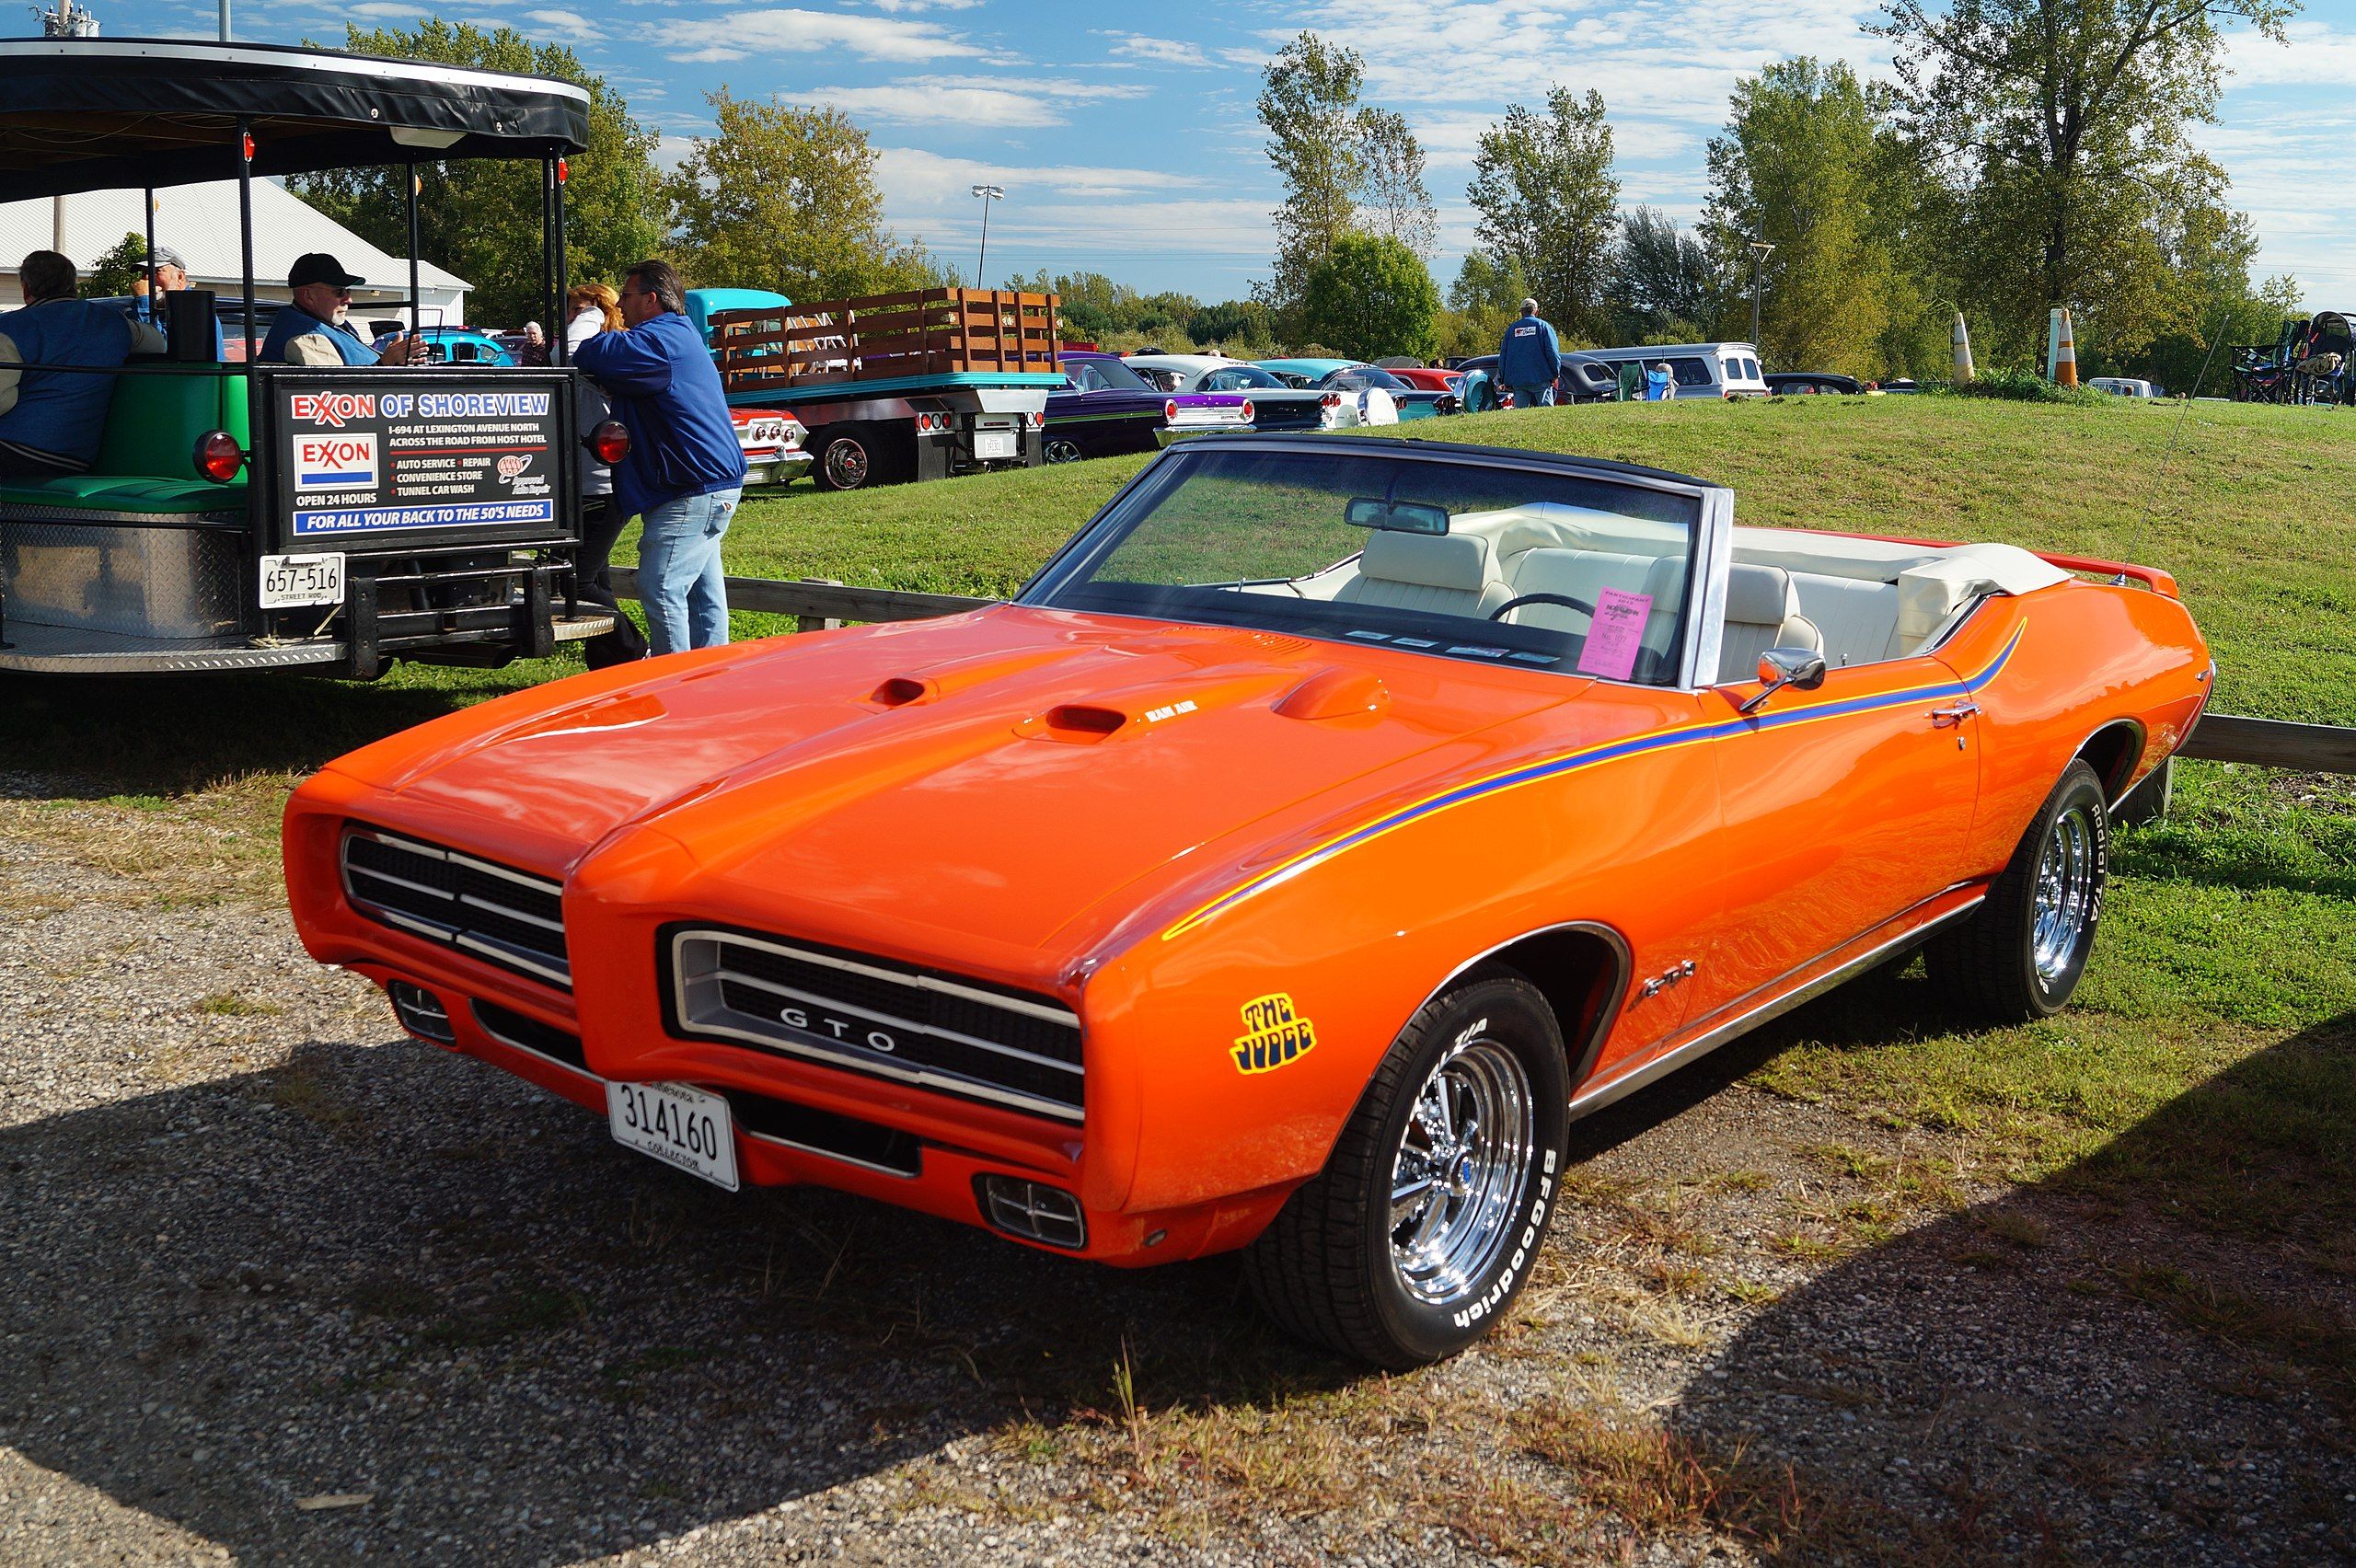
(2254, 511)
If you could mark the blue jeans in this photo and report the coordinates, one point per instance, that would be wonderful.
(679, 576)
(1534, 397)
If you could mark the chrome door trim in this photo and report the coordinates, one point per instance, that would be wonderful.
(1627, 1083)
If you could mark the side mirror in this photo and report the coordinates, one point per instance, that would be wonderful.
(1799, 668)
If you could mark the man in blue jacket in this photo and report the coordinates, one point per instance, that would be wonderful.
(53, 421)
(1529, 359)
(685, 472)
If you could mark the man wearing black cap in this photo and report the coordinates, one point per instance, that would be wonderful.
(311, 332)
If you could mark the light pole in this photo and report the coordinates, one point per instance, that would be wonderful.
(988, 193)
(1759, 249)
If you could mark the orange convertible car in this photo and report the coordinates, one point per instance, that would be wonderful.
(1328, 824)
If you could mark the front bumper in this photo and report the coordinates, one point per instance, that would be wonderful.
(574, 1044)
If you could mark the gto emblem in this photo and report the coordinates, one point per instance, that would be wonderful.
(875, 1038)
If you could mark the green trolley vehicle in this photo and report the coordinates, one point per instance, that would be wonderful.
(242, 516)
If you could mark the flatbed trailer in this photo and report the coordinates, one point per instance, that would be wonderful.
(894, 388)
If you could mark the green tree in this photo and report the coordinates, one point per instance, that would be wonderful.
(2064, 123)
(1393, 200)
(479, 218)
(118, 270)
(785, 198)
(1234, 325)
(1664, 285)
(1549, 203)
(1371, 297)
(1796, 170)
(1308, 102)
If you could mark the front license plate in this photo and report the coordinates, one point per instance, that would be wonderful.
(680, 1125)
(990, 444)
(291, 582)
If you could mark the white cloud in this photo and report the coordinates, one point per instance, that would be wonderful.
(384, 12)
(895, 6)
(742, 34)
(1158, 51)
(574, 27)
(1003, 102)
(914, 177)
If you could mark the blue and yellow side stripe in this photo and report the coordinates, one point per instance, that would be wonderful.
(1571, 762)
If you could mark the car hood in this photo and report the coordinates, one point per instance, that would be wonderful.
(996, 775)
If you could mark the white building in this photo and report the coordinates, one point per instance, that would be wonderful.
(201, 223)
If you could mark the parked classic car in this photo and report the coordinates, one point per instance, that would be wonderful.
(1354, 378)
(1277, 406)
(1328, 825)
(1430, 378)
(1111, 408)
(1582, 380)
(455, 345)
(1811, 383)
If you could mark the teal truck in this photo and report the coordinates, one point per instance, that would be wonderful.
(893, 387)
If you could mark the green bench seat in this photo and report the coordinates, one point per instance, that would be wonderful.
(146, 463)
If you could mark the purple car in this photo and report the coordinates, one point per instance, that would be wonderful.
(1107, 408)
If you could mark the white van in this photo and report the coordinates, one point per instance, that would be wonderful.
(1702, 370)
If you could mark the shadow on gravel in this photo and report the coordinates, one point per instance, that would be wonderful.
(2150, 1357)
(384, 1271)
(162, 735)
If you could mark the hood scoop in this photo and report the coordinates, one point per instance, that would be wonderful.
(1076, 723)
(1338, 694)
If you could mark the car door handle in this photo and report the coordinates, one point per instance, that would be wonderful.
(1943, 716)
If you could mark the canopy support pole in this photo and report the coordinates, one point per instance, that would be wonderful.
(155, 315)
(555, 228)
(257, 496)
(416, 312)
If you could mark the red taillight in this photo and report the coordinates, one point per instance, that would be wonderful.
(1169, 411)
(1332, 400)
(610, 443)
(1039, 418)
(1249, 410)
(218, 456)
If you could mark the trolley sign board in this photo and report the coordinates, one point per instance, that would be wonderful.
(362, 457)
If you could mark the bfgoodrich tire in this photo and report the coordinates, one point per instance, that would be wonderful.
(2022, 955)
(1422, 1229)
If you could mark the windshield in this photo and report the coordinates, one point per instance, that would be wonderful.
(1115, 376)
(1462, 560)
(1359, 376)
(1240, 378)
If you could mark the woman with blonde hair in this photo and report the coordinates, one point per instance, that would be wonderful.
(589, 309)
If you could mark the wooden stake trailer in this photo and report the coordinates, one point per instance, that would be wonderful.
(898, 386)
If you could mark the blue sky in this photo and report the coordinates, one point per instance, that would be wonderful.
(1124, 135)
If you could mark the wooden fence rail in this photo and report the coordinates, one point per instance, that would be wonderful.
(2219, 737)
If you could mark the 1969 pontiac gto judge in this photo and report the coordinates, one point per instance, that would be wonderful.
(1328, 824)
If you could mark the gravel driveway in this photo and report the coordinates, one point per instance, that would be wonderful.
(277, 1284)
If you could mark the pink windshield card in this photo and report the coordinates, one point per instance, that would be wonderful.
(1618, 633)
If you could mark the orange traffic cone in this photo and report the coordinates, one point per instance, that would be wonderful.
(2065, 362)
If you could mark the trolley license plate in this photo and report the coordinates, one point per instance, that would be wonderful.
(291, 582)
(681, 1126)
(990, 444)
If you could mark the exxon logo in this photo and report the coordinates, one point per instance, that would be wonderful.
(335, 462)
(333, 410)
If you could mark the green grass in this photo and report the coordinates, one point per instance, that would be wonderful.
(2210, 1056)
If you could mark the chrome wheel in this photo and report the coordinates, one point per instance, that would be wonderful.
(847, 463)
(1463, 1168)
(2067, 871)
(1064, 450)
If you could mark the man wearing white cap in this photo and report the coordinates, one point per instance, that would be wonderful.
(171, 276)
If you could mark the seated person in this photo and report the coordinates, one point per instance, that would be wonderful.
(171, 272)
(52, 420)
(313, 332)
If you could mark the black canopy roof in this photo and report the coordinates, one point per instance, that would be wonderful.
(101, 114)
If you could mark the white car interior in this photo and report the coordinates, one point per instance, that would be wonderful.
(1856, 601)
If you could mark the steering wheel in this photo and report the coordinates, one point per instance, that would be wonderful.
(1563, 599)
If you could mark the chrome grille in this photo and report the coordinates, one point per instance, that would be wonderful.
(874, 1016)
(501, 915)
